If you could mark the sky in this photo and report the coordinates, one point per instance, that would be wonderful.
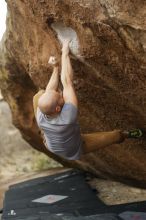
(3, 11)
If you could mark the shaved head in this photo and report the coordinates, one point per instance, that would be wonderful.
(48, 102)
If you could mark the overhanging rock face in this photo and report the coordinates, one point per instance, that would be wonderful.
(110, 73)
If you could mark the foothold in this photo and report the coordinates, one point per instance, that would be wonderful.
(63, 33)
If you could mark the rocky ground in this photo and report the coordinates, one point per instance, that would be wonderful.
(19, 161)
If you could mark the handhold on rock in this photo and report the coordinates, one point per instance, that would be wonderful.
(63, 33)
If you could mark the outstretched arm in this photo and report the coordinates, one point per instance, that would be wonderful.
(54, 80)
(52, 85)
(69, 94)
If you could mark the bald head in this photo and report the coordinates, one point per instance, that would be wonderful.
(48, 102)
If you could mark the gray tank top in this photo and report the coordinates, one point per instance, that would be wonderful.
(62, 133)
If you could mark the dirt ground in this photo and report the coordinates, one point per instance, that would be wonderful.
(15, 165)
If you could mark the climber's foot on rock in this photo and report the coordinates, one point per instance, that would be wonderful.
(134, 133)
(53, 61)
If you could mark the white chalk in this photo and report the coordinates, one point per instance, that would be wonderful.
(63, 33)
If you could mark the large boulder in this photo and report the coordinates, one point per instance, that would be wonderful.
(109, 74)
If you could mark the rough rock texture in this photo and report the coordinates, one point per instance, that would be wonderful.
(110, 77)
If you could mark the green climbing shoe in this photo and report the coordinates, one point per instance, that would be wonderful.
(135, 133)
